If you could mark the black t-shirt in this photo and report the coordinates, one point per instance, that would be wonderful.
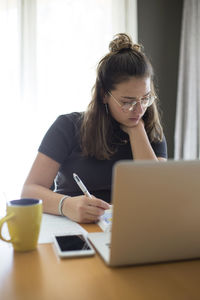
(62, 144)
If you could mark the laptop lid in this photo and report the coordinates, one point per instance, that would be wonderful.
(156, 215)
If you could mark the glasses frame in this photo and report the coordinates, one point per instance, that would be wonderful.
(133, 104)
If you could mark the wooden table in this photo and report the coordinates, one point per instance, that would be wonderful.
(41, 275)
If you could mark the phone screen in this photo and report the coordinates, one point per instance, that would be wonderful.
(72, 243)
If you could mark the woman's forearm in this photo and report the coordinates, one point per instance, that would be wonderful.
(140, 145)
(49, 198)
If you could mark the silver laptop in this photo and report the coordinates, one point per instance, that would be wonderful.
(156, 213)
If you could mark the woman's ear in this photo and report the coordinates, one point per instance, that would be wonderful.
(105, 98)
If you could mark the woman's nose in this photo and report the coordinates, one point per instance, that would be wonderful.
(137, 107)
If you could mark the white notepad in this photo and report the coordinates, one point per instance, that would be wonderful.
(105, 221)
(52, 225)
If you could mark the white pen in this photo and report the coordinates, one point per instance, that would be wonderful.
(81, 185)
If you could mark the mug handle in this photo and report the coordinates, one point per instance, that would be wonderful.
(2, 221)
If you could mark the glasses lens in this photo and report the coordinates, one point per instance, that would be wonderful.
(151, 100)
(146, 102)
(126, 107)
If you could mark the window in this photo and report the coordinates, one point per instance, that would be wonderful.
(48, 61)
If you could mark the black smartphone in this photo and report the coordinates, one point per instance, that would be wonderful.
(73, 245)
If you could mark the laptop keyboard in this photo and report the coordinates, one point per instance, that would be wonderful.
(108, 245)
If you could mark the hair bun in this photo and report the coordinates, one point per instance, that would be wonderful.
(123, 41)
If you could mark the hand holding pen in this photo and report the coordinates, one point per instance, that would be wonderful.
(84, 209)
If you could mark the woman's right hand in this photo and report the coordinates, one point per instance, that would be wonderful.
(83, 209)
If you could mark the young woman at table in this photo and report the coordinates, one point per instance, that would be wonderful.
(121, 122)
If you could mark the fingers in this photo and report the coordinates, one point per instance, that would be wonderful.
(97, 203)
(95, 208)
(90, 219)
(83, 209)
(87, 210)
(95, 211)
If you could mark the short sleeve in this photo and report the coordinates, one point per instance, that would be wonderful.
(160, 148)
(59, 139)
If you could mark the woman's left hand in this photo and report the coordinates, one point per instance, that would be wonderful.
(138, 126)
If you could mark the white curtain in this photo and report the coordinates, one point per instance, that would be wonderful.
(48, 57)
(10, 95)
(187, 131)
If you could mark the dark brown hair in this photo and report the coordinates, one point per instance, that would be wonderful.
(124, 60)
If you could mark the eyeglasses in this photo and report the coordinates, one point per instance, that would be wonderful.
(145, 102)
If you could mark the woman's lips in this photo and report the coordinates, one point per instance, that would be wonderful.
(134, 119)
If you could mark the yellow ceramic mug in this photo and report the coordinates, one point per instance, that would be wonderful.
(23, 220)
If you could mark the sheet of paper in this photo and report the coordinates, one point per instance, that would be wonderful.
(52, 225)
(105, 221)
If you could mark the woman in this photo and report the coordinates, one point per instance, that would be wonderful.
(121, 122)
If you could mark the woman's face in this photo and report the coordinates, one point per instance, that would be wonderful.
(125, 93)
